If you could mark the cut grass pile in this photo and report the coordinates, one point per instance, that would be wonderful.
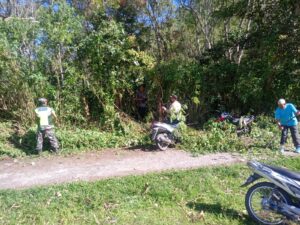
(203, 196)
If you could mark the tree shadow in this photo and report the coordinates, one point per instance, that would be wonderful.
(218, 209)
(26, 142)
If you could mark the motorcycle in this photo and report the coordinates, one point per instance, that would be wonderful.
(163, 134)
(243, 124)
(276, 201)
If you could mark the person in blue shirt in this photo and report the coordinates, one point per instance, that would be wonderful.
(286, 117)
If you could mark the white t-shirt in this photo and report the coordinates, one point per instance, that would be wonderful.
(175, 107)
(45, 117)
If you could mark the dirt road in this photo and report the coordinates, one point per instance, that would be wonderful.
(16, 174)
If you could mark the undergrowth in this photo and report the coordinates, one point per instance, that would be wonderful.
(221, 137)
(16, 141)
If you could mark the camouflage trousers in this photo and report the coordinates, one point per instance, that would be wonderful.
(48, 133)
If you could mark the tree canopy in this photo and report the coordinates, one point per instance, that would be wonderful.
(88, 57)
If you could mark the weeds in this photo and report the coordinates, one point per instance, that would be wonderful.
(214, 137)
(221, 137)
(21, 142)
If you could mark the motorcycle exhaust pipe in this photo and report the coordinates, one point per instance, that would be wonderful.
(290, 216)
(291, 211)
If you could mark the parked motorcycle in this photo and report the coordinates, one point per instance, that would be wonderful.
(276, 201)
(163, 135)
(243, 124)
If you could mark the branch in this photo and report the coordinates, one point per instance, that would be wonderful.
(204, 27)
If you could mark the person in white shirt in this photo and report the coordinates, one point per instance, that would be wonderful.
(173, 111)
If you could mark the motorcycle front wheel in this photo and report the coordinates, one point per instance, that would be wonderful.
(261, 202)
(160, 143)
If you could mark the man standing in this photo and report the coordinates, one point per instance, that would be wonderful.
(141, 102)
(174, 110)
(285, 116)
(44, 116)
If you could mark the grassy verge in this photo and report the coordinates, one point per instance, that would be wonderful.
(213, 137)
(21, 142)
(203, 196)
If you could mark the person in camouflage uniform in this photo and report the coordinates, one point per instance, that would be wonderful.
(45, 128)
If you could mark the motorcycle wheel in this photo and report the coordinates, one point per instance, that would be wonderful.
(161, 144)
(258, 199)
(244, 131)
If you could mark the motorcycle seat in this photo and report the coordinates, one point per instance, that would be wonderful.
(285, 172)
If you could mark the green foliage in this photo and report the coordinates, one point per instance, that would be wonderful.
(88, 58)
(83, 67)
(113, 66)
(222, 137)
(15, 92)
(216, 137)
(21, 141)
(7, 149)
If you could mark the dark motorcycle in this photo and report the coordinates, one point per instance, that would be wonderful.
(163, 134)
(243, 124)
(276, 201)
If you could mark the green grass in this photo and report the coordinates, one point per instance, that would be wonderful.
(203, 196)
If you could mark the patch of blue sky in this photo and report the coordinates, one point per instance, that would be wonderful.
(163, 15)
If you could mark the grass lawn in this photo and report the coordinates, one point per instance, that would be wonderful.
(203, 196)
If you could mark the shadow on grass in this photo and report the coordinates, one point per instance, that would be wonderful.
(27, 142)
(218, 209)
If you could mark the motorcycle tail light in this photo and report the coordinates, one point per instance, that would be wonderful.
(220, 119)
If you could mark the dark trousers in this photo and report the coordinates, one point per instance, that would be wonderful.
(142, 112)
(295, 135)
(49, 133)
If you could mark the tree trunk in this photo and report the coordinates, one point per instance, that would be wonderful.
(86, 108)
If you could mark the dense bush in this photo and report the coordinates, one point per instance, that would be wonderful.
(88, 58)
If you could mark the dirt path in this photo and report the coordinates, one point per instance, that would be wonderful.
(16, 174)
